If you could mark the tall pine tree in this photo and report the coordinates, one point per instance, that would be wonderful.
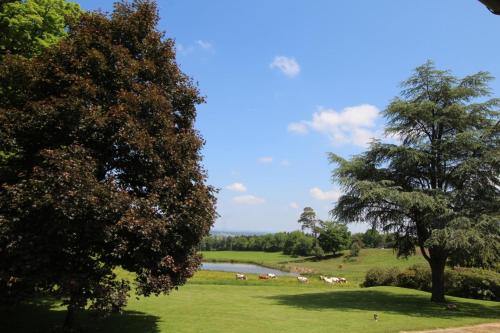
(438, 189)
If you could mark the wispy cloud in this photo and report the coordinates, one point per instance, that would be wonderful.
(265, 160)
(184, 49)
(353, 125)
(248, 200)
(299, 128)
(319, 194)
(293, 205)
(205, 45)
(288, 66)
(236, 187)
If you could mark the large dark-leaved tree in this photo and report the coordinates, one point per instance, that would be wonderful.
(438, 189)
(105, 165)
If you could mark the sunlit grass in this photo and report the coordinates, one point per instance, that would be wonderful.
(354, 269)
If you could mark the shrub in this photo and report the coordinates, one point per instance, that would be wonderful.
(415, 277)
(355, 248)
(473, 283)
(381, 277)
(461, 282)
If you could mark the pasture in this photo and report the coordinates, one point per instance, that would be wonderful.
(354, 269)
(217, 302)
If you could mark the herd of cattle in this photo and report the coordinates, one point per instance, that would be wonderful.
(300, 279)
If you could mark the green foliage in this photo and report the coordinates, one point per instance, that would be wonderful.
(309, 221)
(108, 165)
(268, 242)
(461, 282)
(415, 277)
(29, 26)
(333, 237)
(355, 249)
(299, 244)
(379, 276)
(473, 283)
(479, 247)
(372, 238)
(437, 186)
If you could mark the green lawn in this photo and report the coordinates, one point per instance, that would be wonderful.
(217, 302)
(265, 306)
(353, 269)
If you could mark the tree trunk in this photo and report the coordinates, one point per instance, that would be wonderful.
(70, 317)
(437, 270)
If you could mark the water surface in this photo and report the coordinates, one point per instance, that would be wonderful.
(242, 268)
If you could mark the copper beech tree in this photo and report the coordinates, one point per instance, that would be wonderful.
(102, 165)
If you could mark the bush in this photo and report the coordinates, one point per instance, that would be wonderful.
(461, 282)
(381, 277)
(415, 277)
(355, 248)
(473, 283)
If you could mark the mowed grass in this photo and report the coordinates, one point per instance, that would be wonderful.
(217, 302)
(354, 269)
(264, 306)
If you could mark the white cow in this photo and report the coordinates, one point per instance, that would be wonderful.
(240, 276)
(329, 280)
(302, 279)
(272, 276)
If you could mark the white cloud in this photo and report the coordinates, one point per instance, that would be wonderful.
(293, 205)
(265, 160)
(319, 194)
(353, 125)
(205, 45)
(287, 66)
(236, 187)
(299, 128)
(184, 50)
(285, 163)
(248, 200)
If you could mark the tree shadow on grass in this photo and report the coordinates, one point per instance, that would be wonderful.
(406, 303)
(42, 317)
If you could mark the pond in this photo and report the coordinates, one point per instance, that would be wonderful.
(242, 268)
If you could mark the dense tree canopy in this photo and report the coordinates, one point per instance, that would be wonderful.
(107, 166)
(333, 237)
(372, 238)
(29, 26)
(437, 189)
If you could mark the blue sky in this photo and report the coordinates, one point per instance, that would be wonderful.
(289, 81)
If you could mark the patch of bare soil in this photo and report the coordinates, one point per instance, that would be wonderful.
(483, 328)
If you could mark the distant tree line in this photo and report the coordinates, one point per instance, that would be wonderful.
(332, 237)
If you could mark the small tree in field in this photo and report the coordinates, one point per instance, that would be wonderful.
(309, 221)
(106, 169)
(355, 249)
(439, 188)
(333, 237)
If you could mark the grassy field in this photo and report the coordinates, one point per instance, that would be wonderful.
(217, 302)
(353, 269)
(207, 304)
